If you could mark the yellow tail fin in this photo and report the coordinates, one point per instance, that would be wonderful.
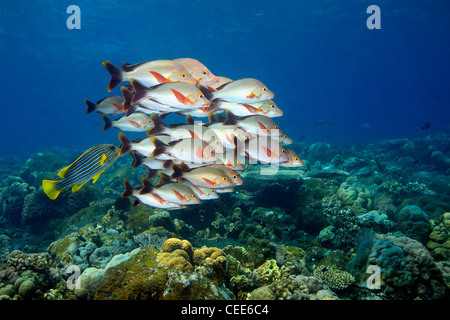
(49, 189)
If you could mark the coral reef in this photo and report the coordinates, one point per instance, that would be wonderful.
(318, 232)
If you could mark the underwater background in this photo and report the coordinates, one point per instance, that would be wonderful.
(368, 111)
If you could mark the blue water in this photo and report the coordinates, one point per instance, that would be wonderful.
(319, 58)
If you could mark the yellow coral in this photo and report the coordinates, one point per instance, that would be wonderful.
(176, 254)
(268, 271)
(172, 244)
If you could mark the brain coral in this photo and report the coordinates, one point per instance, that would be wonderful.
(177, 254)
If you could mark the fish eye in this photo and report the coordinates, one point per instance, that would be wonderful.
(217, 141)
(272, 105)
(264, 88)
(224, 178)
(201, 96)
(296, 159)
(285, 136)
(205, 72)
(193, 195)
(183, 75)
(212, 190)
(213, 152)
(282, 150)
(276, 127)
(234, 176)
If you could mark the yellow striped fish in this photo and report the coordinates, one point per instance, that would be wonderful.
(90, 165)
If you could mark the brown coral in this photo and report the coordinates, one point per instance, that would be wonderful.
(212, 262)
(176, 254)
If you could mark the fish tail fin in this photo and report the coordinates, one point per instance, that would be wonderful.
(91, 106)
(231, 118)
(108, 122)
(128, 96)
(151, 173)
(140, 91)
(128, 189)
(177, 172)
(126, 144)
(158, 126)
(208, 93)
(147, 187)
(137, 160)
(160, 147)
(50, 189)
(116, 75)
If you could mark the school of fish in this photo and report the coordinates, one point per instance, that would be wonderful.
(191, 161)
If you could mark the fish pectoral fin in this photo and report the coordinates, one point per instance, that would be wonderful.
(77, 187)
(95, 178)
(63, 171)
(50, 190)
(102, 160)
(181, 97)
(159, 77)
(268, 151)
(209, 181)
(251, 95)
(134, 124)
(179, 195)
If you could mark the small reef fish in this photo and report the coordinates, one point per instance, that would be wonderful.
(230, 172)
(256, 125)
(203, 193)
(246, 90)
(90, 165)
(426, 126)
(293, 160)
(285, 140)
(202, 176)
(323, 123)
(146, 105)
(136, 122)
(198, 71)
(170, 191)
(178, 95)
(148, 73)
(143, 146)
(265, 150)
(176, 131)
(242, 195)
(220, 82)
(149, 198)
(150, 163)
(110, 105)
(186, 150)
(268, 108)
